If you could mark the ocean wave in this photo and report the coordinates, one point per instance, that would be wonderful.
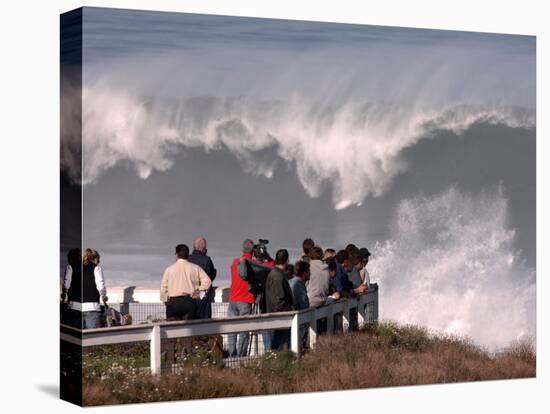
(353, 148)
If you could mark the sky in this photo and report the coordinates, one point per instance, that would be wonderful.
(419, 144)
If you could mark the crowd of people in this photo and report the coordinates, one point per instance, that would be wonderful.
(317, 278)
(259, 284)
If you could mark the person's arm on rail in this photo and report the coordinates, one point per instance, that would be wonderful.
(360, 289)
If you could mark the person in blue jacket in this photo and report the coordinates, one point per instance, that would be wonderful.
(203, 306)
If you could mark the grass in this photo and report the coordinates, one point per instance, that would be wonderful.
(381, 355)
(114, 362)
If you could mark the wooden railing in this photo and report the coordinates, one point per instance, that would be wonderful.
(366, 306)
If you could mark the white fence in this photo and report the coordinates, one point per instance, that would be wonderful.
(366, 306)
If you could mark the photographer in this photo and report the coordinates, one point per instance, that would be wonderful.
(240, 300)
(261, 255)
(253, 271)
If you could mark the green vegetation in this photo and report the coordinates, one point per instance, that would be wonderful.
(380, 355)
(114, 362)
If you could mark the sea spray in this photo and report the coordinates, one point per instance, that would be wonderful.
(450, 265)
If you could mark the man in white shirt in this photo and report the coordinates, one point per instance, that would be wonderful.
(181, 283)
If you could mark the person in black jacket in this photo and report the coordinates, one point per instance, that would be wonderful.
(203, 307)
(84, 285)
(278, 298)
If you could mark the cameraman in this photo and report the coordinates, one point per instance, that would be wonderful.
(240, 301)
(261, 255)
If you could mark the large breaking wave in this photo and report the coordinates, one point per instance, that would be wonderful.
(354, 148)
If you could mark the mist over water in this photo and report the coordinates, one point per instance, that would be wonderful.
(450, 265)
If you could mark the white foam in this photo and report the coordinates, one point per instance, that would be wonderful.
(450, 265)
(354, 148)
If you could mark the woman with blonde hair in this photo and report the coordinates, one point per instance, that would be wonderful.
(85, 292)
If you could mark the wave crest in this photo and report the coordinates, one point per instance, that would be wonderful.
(355, 148)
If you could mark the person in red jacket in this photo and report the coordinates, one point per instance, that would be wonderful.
(240, 301)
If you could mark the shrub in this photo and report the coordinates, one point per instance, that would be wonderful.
(380, 355)
(410, 337)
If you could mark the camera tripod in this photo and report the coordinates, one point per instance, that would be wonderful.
(253, 338)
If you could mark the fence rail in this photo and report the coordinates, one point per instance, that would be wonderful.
(365, 305)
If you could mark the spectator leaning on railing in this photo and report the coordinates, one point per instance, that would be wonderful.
(354, 274)
(365, 277)
(180, 285)
(333, 292)
(278, 298)
(319, 280)
(343, 285)
(298, 285)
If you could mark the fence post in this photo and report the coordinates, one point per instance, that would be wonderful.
(255, 350)
(294, 335)
(155, 350)
(330, 319)
(375, 310)
(361, 311)
(312, 329)
(345, 316)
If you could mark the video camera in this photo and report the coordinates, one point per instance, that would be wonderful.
(260, 251)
